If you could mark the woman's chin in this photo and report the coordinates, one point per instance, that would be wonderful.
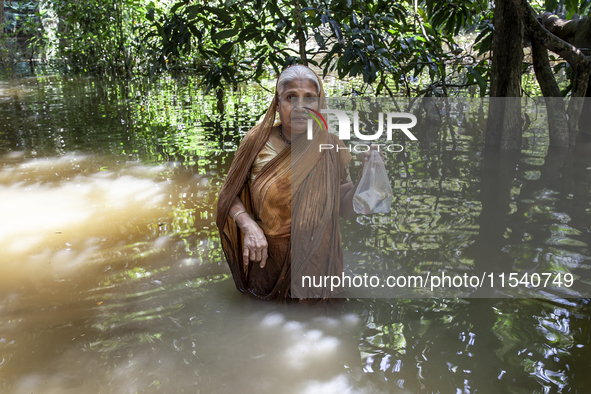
(299, 127)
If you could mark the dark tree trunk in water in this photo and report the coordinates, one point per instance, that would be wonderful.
(504, 116)
(220, 103)
(557, 123)
(585, 118)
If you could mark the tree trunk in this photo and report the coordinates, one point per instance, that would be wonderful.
(1, 18)
(557, 120)
(301, 35)
(585, 118)
(504, 117)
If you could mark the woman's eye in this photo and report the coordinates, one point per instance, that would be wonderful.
(310, 99)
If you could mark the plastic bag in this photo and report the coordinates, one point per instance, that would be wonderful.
(374, 193)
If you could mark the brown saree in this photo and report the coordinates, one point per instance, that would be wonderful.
(295, 199)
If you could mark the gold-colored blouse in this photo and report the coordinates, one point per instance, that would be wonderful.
(267, 154)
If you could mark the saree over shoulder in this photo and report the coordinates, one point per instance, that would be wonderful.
(295, 200)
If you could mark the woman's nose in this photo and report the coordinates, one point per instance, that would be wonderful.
(297, 104)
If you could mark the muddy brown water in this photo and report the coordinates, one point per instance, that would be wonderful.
(112, 279)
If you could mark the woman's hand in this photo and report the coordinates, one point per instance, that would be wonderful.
(368, 153)
(255, 243)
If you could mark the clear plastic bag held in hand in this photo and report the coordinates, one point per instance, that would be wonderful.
(374, 193)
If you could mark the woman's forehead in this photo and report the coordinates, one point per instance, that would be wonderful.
(300, 85)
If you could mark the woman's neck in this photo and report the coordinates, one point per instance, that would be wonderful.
(285, 135)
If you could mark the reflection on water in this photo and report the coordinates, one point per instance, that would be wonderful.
(112, 280)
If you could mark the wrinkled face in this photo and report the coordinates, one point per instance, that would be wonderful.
(297, 94)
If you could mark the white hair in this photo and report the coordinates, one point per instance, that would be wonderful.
(296, 72)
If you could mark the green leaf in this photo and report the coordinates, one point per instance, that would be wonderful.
(459, 24)
(584, 8)
(337, 30)
(479, 80)
(193, 11)
(482, 34)
(221, 13)
(259, 68)
(485, 45)
(571, 7)
(449, 26)
(319, 39)
(354, 69)
(176, 7)
(225, 34)
(195, 31)
(150, 15)
(422, 14)
(226, 47)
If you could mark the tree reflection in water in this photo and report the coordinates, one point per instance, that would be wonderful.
(137, 297)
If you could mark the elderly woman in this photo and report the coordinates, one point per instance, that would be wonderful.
(272, 185)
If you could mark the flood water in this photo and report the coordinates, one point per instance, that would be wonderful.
(112, 279)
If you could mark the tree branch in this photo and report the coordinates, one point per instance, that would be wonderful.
(574, 56)
(300, 33)
(557, 126)
(569, 52)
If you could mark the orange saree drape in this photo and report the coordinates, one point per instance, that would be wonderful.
(295, 199)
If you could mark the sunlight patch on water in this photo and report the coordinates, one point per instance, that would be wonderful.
(57, 212)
